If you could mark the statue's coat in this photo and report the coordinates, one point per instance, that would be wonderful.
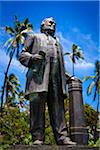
(38, 75)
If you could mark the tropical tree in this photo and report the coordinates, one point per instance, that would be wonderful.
(18, 34)
(95, 84)
(75, 54)
(13, 91)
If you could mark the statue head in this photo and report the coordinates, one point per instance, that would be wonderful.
(48, 26)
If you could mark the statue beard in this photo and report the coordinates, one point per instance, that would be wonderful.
(48, 32)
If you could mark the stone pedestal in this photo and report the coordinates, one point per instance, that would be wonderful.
(78, 130)
(52, 147)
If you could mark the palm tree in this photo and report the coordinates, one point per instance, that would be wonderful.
(75, 54)
(95, 84)
(13, 89)
(18, 34)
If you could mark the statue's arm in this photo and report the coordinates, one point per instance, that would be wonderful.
(26, 58)
(25, 55)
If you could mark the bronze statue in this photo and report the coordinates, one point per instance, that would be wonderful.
(46, 81)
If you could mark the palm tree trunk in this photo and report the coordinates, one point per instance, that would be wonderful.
(73, 68)
(97, 118)
(5, 80)
(7, 94)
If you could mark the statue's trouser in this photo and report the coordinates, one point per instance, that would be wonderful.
(55, 102)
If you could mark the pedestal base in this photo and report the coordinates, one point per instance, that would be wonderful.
(78, 129)
(52, 147)
(79, 135)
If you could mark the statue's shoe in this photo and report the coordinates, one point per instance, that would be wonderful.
(67, 141)
(38, 142)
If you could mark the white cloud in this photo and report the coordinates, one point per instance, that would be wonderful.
(86, 42)
(81, 65)
(84, 65)
(81, 68)
(65, 42)
(15, 65)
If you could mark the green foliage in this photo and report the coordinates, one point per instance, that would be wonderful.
(49, 136)
(91, 143)
(18, 34)
(76, 54)
(90, 115)
(91, 122)
(97, 143)
(95, 84)
(94, 144)
(14, 94)
(15, 127)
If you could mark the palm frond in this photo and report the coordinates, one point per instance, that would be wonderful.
(7, 42)
(21, 39)
(26, 21)
(80, 54)
(13, 44)
(98, 87)
(12, 76)
(30, 26)
(90, 87)
(17, 22)
(9, 48)
(26, 30)
(13, 84)
(97, 67)
(67, 53)
(16, 17)
(9, 30)
(88, 78)
(95, 93)
(76, 57)
(72, 58)
(74, 47)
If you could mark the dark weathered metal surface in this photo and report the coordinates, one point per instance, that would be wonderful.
(78, 128)
(46, 82)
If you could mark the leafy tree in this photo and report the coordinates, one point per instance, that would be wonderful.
(75, 54)
(90, 115)
(15, 127)
(18, 34)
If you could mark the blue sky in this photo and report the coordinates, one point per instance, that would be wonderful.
(77, 22)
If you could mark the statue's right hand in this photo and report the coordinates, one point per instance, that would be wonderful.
(37, 57)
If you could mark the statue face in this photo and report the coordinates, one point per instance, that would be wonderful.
(48, 26)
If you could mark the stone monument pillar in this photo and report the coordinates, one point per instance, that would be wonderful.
(78, 130)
